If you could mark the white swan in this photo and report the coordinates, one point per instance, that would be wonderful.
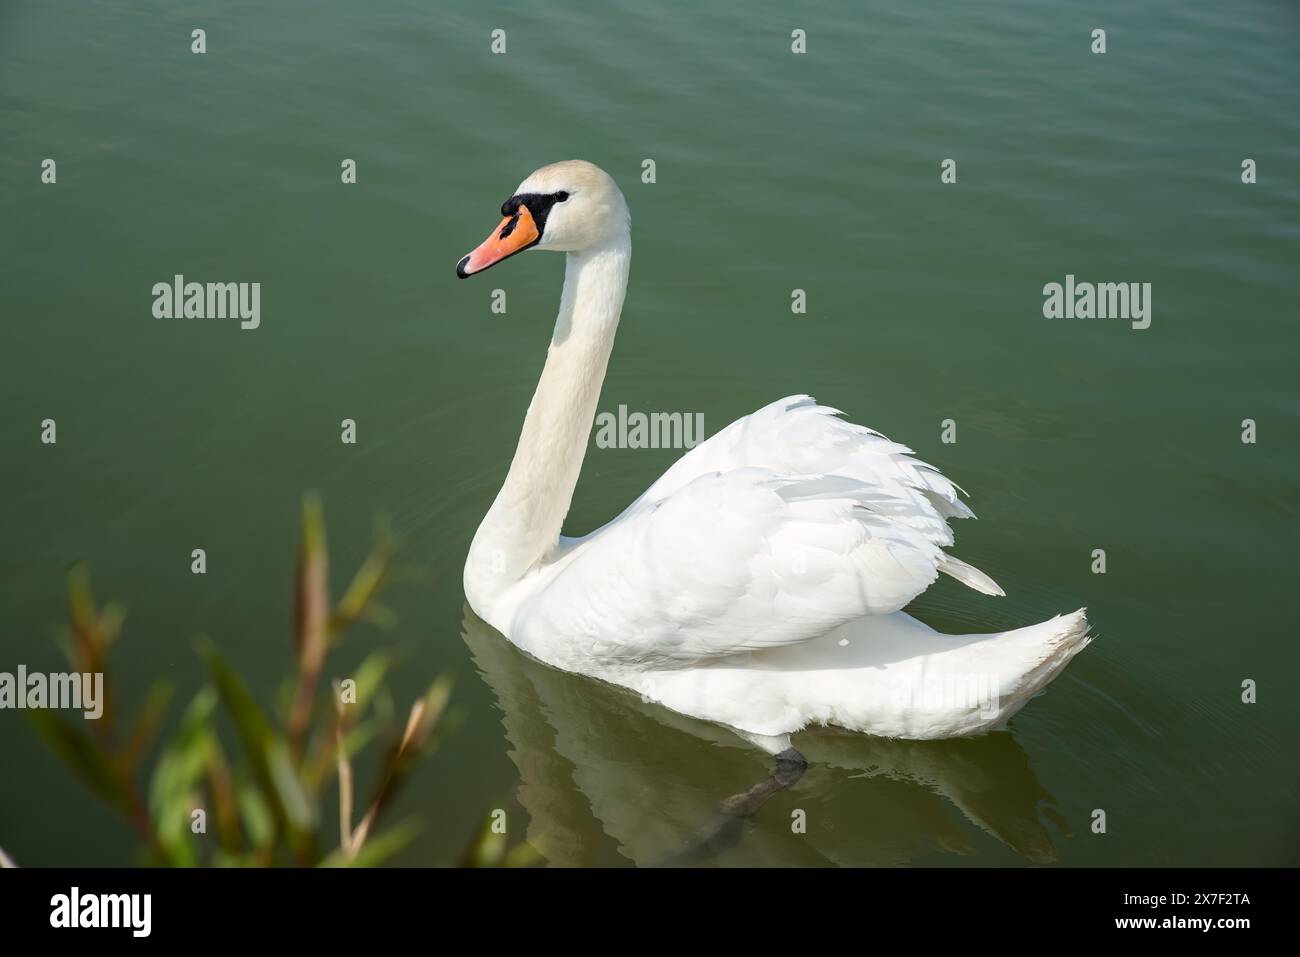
(759, 582)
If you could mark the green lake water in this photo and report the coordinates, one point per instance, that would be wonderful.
(774, 171)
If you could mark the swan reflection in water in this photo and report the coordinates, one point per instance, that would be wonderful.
(602, 772)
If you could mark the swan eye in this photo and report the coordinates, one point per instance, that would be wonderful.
(561, 196)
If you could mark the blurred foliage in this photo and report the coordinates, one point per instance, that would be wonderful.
(263, 807)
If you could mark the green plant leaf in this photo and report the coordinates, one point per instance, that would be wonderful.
(366, 585)
(177, 773)
(267, 750)
(147, 722)
(369, 677)
(312, 589)
(256, 814)
(80, 753)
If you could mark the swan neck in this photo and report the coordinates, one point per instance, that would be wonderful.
(523, 526)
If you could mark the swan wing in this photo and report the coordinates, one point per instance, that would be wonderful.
(736, 561)
(796, 436)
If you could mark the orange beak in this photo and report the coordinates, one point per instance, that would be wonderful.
(515, 234)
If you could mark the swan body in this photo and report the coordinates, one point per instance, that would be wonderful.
(759, 582)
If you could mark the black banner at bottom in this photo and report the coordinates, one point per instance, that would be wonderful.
(370, 906)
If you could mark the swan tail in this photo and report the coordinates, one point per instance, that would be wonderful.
(885, 675)
(1047, 648)
(970, 576)
(898, 678)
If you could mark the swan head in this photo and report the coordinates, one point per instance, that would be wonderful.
(568, 207)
